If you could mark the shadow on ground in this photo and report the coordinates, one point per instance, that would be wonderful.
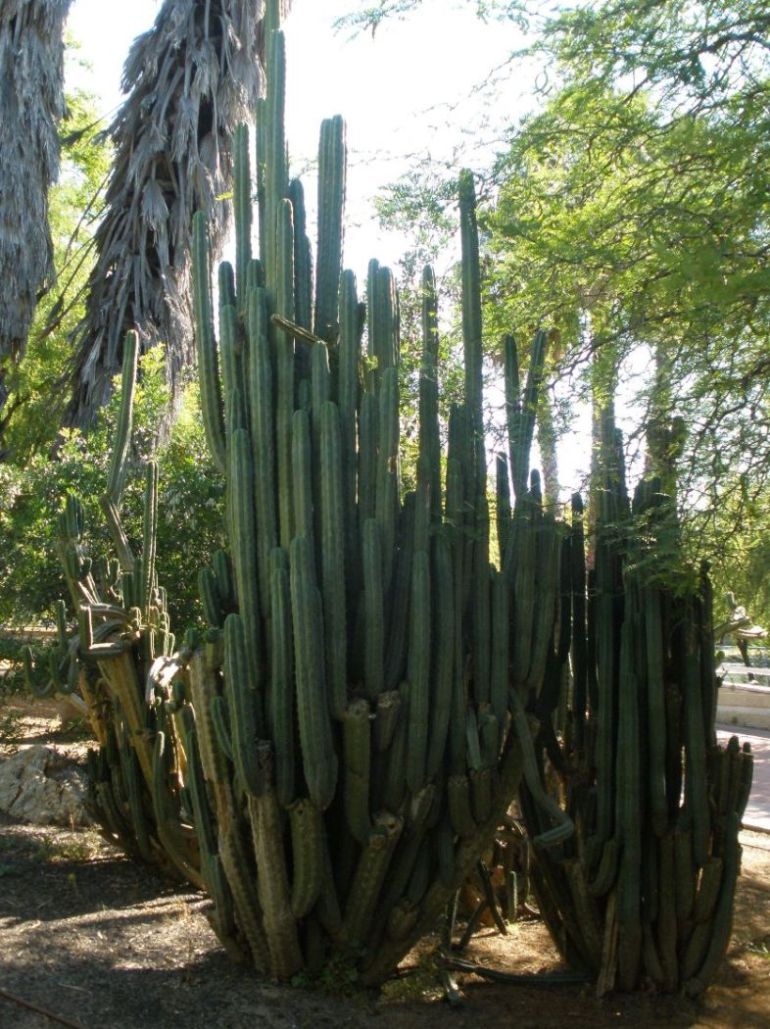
(104, 944)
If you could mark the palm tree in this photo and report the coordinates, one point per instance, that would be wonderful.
(190, 80)
(32, 103)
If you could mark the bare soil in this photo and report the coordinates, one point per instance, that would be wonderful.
(92, 940)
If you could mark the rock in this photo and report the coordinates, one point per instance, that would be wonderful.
(69, 711)
(42, 786)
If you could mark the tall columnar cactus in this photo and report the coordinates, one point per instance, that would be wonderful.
(644, 890)
(360, 716)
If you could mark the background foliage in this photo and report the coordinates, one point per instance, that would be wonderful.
(190, 503)
(629, 215)
(37, 388)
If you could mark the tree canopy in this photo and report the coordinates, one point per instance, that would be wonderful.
(630, 215)
(621, 234)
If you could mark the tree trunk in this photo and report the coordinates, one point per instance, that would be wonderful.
(666, 434)
(604, 386)
(32, 104)
(546, 441)
(547, 436)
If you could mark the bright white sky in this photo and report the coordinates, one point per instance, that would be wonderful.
(395, 89)
(410, 91)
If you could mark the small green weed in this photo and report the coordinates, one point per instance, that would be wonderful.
(78, 847)
(760, 947)
(11, 729)
(339, 977)
(421, 983)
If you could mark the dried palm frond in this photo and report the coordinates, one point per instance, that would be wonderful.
(190, 80)
(31, 105)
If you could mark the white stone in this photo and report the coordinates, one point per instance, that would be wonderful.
(42, 786)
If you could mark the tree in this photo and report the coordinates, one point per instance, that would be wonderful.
(32, 102)
(650, 238)
(38, 383)
(371, 16)
(630, 215)
(693, 57)
(192, 78)
(633, 212)
(32, 492)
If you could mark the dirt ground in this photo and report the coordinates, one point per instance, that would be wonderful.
(97, 942)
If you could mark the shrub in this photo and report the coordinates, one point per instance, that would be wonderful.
(191, 501)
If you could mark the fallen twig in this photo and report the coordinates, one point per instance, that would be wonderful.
(38, 1010)
(513, 978)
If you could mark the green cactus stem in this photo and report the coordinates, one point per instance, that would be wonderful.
(332, 165)
(319, 760)
(273, 885)
(208, 363)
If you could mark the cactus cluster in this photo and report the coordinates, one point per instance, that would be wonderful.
(122, 662)
(351, 699)
(644, 889)
(332, 755)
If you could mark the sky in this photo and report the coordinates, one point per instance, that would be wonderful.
(416, 89)
(408, 92)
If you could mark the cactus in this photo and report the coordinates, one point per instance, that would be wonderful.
(346, 660)
(319, 761)
(350, 730)
(116, 475)
(122, 670)
(652, 868)
(211, 393)
(331, 202)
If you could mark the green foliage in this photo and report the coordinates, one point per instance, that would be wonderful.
(12, 679)
(632, 216)
(371, 16)
(190, 502)
(629, 215)
(11, 729)
(190, 511)
(739, 559)
(653, 237)
(10, 649)
(699, 54)
(30, 499)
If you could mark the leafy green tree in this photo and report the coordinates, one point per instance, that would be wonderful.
(624, 239)
(190, 521)
(370, 16)
(630, 215)
(705, 56)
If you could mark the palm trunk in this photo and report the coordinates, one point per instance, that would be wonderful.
(32, 104)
